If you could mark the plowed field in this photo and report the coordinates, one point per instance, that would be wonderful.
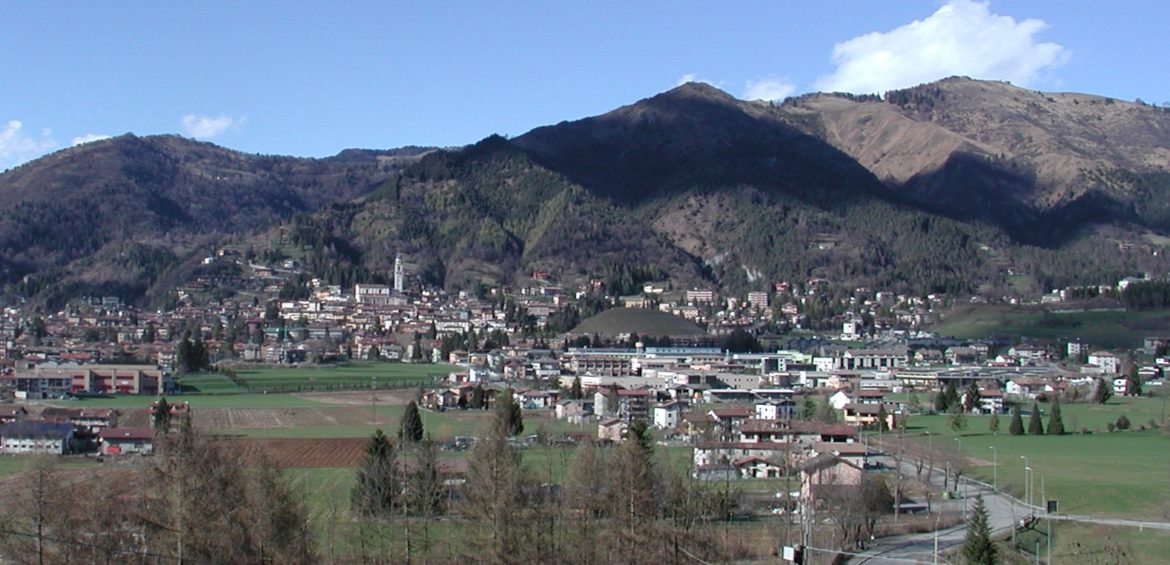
(303, 452)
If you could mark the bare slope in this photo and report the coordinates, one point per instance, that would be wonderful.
(1040, 165)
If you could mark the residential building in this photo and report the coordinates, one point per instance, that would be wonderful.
(668, 414)
(36, 437)
(1108, 362)
(126, 441)
(612, 429)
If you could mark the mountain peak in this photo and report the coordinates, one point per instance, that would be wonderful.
(697, 90)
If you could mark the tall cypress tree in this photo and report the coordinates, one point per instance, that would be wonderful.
(1016, 427)
(1035, 426)
(1055, 422)
(411, 430)
(971, 398)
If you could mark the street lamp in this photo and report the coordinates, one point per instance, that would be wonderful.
(1028, 477)
(1027, 491)
(959, 481)
(994, 469)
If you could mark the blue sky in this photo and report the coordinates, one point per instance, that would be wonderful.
(312, 78)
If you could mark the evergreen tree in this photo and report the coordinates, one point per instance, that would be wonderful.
(160, 416)
(1035, 426)
(632, 489)
(940, 402)
(825, 412)
(1055, 422)
(957, 421)
(971, 398)
(883, 418)
(1016, 427)
(1102, 391)
(509, 415)
(411, 429)
(478, 398)
(575, 391)
(1122, 423)
(952, 394)
(993, 424)
(979, 549)
(377, 487)
(198, 359)
(424, 482)
(808, 409)
(1133, 382)
(183, 356)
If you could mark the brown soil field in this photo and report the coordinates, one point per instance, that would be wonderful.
(134, 418)
(361, 398)
(303, 452)
(216, 419)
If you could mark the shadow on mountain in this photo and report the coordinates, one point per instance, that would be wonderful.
(697, 138)
(969, 188)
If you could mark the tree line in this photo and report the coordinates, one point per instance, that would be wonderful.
(625, 504)
(195, 500)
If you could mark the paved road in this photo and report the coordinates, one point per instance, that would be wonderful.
(1003, 512)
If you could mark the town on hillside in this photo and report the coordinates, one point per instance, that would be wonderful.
(803, 390)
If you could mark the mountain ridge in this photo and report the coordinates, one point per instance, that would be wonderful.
(949, 186)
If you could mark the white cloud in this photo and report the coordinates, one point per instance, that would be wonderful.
(206, 127)
(770, 88)
(961, 38)
(88, 138)
(17, 147)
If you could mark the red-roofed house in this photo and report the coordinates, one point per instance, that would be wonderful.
(125, 441)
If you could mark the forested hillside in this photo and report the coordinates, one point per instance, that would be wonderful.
(959, 186)
(114, 216)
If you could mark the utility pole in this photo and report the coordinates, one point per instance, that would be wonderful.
(936, 522)
(1027, 492)
(1049, 536)
(994, 469)
(959, 481)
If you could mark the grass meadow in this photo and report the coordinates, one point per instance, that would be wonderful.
(350, 376)
(1120, 474)
(1109, 329)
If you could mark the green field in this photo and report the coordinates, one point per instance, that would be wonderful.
(13, 464)
(1122, 474)
(1102, 329)
(212, 383)
(350, 376)
(1089, 543)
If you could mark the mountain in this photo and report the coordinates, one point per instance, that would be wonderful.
(697, 186)
(112, 216)
(955, 186)
(1039, 165)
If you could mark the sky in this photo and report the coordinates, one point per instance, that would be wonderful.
(312, 78)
